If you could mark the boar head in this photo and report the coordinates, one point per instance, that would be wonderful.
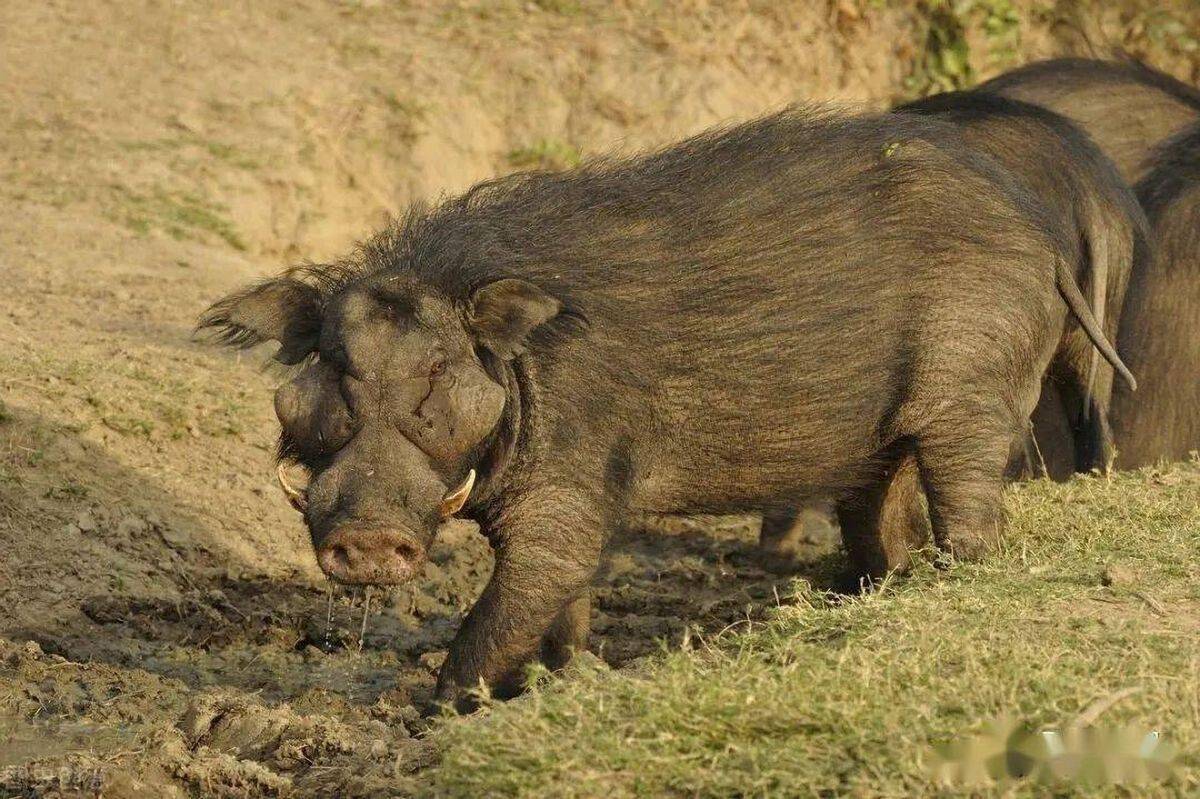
(397, 396)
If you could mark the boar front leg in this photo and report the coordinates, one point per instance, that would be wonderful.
(544, 566)
(568, 634)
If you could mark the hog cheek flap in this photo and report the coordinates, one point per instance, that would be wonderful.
(333, 422)
(321, 421)
(457, 412)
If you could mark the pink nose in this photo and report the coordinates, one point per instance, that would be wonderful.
(370, 557)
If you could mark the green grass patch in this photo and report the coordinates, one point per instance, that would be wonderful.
(221, 151)
(564, 7)
(144, 395)
(1096, 591)
(402, 106)
(181, 215)
(945, 62)
(545, 154)
(1165, 29)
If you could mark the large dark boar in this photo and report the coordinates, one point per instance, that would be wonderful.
(1131, 111)
(1126, 107)
(1159, 334)
(754, 317)
(1078, 185)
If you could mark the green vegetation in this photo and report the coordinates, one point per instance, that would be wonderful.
(222, 151)
(945, 63)
(564, 7)
(150, 401)
(181, 214)
(545, 154)
(1164, 29)
(138, 396)
(67, 491)
(401, 105)
(1094, 600)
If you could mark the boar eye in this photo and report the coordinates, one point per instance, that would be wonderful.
(437, 366)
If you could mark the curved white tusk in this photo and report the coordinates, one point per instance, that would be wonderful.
(298, 498)
(454, 499)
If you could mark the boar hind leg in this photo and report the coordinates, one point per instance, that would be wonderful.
(1049, 448)
(1085, 400)
(882, 523)
(962, 468)
(568, 634)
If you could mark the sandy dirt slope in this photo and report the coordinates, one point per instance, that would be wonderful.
(162, 614)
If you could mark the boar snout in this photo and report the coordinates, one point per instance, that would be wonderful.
(371, 556)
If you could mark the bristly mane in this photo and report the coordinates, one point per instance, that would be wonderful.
(611, 220)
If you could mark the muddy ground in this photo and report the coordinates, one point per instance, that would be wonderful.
(245, 685)
(162, 622)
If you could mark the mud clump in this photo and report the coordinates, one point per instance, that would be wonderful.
(219, 742)
(229, 739)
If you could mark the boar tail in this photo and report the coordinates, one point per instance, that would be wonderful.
(1100, 260)
(1074, 299)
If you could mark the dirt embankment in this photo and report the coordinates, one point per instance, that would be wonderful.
(155, 154)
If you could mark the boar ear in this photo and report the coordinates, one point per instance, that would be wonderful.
(504, 313)
(283, 309)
